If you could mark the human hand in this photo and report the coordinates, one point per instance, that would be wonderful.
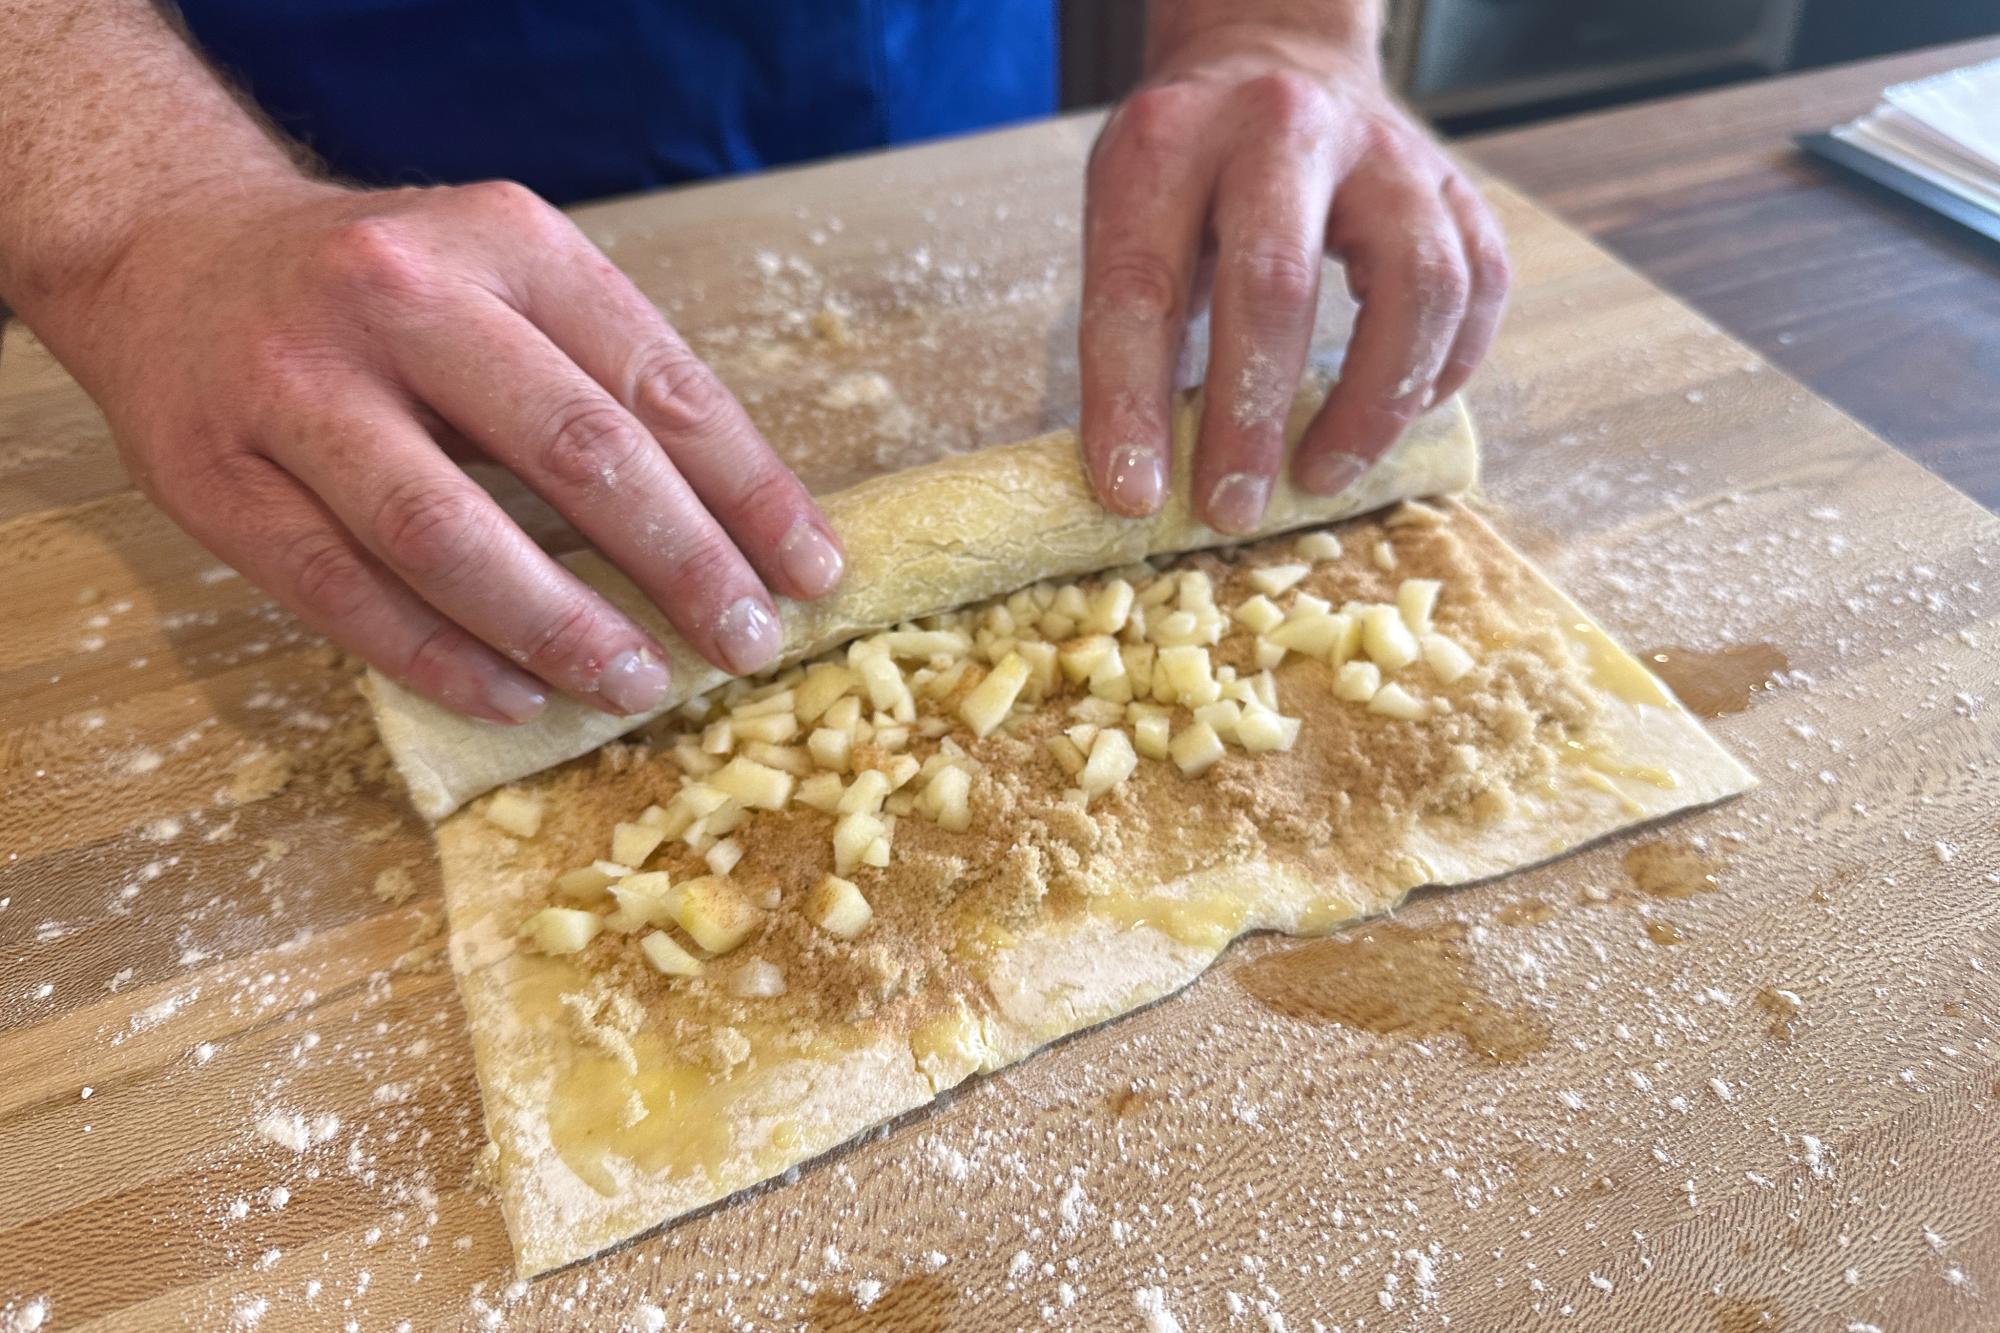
(286, 367)
(1263, 135)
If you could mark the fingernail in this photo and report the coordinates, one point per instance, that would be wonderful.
(1134, 481)
(747, 633)
(633, 681)
(1330, 474)
(810, 559)
(1237, 501)
(509, 694)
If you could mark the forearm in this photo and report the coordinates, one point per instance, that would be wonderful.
(111, 120)
(1175, 28)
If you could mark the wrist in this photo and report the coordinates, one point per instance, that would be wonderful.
(1331, 38)
(60, 277)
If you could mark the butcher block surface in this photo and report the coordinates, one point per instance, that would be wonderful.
(1735, 1072)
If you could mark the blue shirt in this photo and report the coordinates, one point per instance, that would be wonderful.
(599, 97)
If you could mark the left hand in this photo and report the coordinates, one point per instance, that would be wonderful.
(1269, 139)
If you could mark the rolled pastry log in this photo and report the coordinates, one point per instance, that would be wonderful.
(928, 539)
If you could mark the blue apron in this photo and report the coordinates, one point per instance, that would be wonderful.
(599, 97)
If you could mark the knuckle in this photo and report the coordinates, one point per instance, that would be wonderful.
(1151, 123)
(1278, 275)
(325, 575)
(429, 530)
(511, 201)
(561, 644)
(375, 256)
(676, 395)
(588, 443)
(1437, 280)
(432, 657)
(1287, 104)
(1139, 285)
(704, 561)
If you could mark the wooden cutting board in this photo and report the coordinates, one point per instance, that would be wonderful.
(1738, 1072)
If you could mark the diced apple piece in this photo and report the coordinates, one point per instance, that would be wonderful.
(587, 884)
(1109, 680)
(1385, 555)
(1260, 729)
(713, 913)
(1447, 661)
(561, 929)
(986, 706)
(722, 857)
(1158, 591)
(1349, 642)
(838, 908)
(842, 713)
(757, 979)
(1307, 604)
(1264, 688)
(1196, 590)
(1083, 657)
(1317, 546)
(865, 793)
(1259, 614)
(699, 799)
(947, 799)
(880, 676)
(785, 758)
(1188, 675)
(1138, 661)
(852, 837)
(1386, 639)
(718, 737)
(631, 844)
(515, 812)
(1274, 579)
(695, 711)
(1070, 601)
(655, 816)
(1041, 659)
(773, 728)
(1357, 682)
(1196, 749)
(1313, 633)
(901, 769)
(821, 791)
(1110, 608)
(1267, 654)
(1222, 715)
(1393, 700)
(1415, 600)
(1067, 756)
(692, 760)
(921, 645)
(1151, 734)
(753, 785)
(1111, 761)
(642, 900)
(668, 957)
(1174, 628)
(777, 701)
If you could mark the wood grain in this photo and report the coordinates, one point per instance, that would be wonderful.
(1889, 314)
(1656, 1156)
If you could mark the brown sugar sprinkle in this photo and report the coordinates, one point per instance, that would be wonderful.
(1345, 793)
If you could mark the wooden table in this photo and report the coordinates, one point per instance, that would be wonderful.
(235, 1089)
(1888, 314)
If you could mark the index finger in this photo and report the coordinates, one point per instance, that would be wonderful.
(1144, 208)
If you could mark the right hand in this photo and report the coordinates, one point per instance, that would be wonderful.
(285, 368)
